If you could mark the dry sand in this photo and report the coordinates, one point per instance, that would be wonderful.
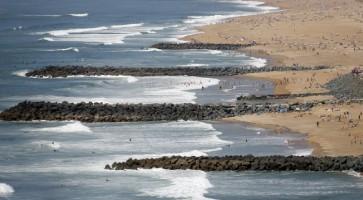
(337, 134)
(309, 32)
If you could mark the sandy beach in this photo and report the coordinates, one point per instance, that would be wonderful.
(337, 129)
(308, 33)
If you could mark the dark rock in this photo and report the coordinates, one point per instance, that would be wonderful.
(64, 71)
(242, 163)
(211, 46)
(348, 86)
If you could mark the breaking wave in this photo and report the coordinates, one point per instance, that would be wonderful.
(184, 184)
(68, 128)
(78, 14)
(6, 190)
(107, 35)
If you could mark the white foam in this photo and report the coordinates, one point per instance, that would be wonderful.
(127, 25)
(73, 99)
(65, 49)
(196, 153)
(194, 65)
(184, 184)
(48, 39)
(205, 20)
(148, 50)
(226, 90)
(353, 173)
(68, 128)
(20, 73)
(6, 190)
(214, 52)
(303, 152)
(220, 18)
(182, 86)
(73, 31)
(107, 35)
(42, 15)
(147, 90)
(130, 79)
(193, 124)
(78, 14)
(259, 5)
(258, 62)
(112, 142)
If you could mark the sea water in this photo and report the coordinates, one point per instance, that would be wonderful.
(65, 159)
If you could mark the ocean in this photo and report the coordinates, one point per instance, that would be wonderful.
(65, 159)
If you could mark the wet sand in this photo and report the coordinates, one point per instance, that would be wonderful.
(249, 139)
(229, 88)
(308, 33)
(328, 129)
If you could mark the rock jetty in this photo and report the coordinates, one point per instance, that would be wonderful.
(244, 163)
(279, 96)
(210, 46)
(99, 112)
(71, 70)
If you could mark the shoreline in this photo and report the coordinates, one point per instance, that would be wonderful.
(301, 34)
(277, 129)
(329, 131)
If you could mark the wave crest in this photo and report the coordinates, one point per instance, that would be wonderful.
(78, 14)
(6, 190)
(68, 128)
(106, 35)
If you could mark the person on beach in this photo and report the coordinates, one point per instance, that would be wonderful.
(317, 124)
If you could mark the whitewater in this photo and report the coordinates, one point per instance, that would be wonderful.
(41, 160)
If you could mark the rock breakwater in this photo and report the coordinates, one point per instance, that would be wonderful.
(243, 163)
(210, 46)
(99, 112)
(69, 70)
(279, 96)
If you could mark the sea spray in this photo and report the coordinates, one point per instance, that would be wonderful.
(6, 190)
(68, 128)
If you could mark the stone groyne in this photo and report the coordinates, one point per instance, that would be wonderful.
(70, 70)
(99, 112)
(279, 96)
(210, 46)
(244, 163)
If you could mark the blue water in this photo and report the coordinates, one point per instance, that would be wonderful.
(65, 160)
